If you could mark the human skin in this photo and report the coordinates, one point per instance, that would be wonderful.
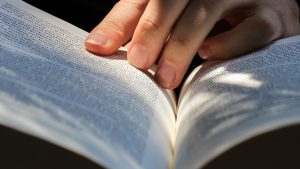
(171, 32)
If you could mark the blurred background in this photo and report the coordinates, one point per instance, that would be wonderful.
(85, 14)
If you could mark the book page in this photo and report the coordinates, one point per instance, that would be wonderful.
(228, 103)
(99, 107)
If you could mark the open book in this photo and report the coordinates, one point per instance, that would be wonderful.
(116, 116)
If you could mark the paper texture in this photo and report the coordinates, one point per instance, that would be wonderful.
(231, 102)
(52, 88)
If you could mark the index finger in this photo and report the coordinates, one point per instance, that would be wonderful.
(116, 28)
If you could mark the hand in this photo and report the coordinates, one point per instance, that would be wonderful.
(173, 31)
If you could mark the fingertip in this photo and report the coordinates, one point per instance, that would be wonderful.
(100, 43)
(167, 75)
(204, 52)
(215, 48)
(139, 56)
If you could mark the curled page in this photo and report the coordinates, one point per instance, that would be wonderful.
(102, 108)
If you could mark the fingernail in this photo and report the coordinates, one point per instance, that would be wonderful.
(166, 74)
(138, 56)
(97, 38)
(204, 52)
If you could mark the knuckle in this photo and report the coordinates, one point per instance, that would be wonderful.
(214, 6)
(206, 11)
(181, 41)
(209, 4)
(150, 25)
(136, 4)
(200, 18)
(114, 26)
(268, 25)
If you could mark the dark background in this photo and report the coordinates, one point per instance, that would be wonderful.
(85, 14)
(276, 150)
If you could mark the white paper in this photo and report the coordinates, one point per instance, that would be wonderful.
(239, 99)
(52, 88)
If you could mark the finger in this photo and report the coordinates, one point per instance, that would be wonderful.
(116, 28)
(253, 33)
(127, 45)
(152, 31)
(189, 32)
